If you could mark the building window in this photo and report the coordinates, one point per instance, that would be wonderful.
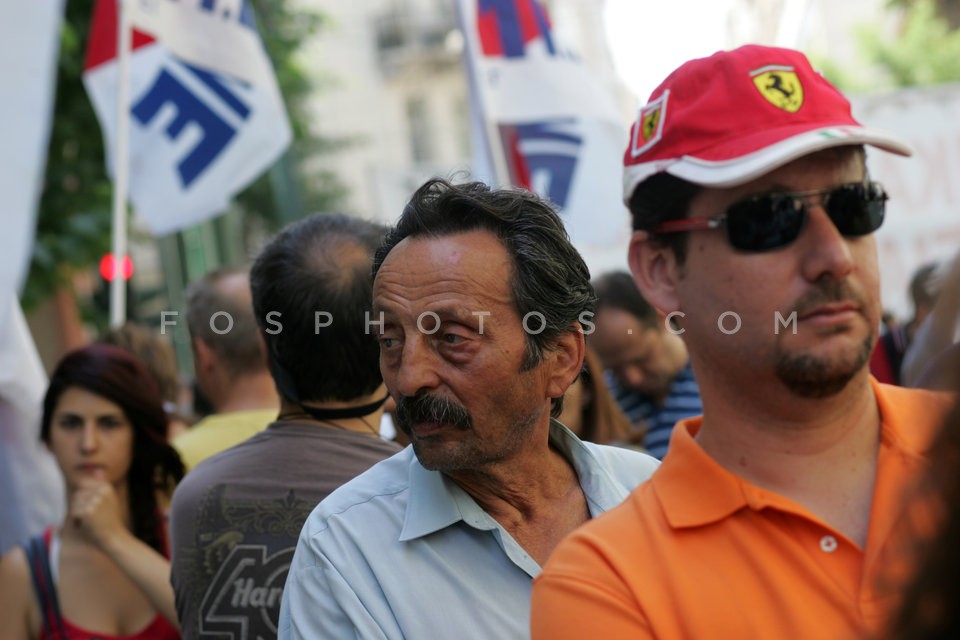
(418, 125)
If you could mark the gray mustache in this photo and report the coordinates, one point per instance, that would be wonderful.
(434, 409)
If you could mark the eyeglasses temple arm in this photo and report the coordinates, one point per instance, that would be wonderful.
(689, 224)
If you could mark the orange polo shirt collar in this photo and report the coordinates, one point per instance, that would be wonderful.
(694, 490)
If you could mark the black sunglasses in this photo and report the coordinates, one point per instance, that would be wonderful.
(774, 220)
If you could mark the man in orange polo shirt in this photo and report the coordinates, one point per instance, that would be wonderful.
(771, 515)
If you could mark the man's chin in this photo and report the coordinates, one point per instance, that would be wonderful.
(812, 377)
(823, 372)
(436, 455)
(816, 386)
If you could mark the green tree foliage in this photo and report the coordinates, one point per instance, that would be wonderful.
(283, 31)
(949, 10)
(925, 49)
(73, 227)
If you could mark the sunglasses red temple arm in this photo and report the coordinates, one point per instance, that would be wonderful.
(688, 224)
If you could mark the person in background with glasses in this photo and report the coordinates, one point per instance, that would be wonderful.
(773, 515)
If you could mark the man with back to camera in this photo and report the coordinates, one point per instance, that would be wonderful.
(773, 515)
(236, 516)
(479, 300)
(652, 378)
(229, 363)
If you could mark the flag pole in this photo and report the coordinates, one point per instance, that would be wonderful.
(121, 167)
(479, 121)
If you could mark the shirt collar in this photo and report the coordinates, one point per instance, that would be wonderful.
(601, 489)
(436, 502)
(431, 505)
(694, 490)
(898, 407)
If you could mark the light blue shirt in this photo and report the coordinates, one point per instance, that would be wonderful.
(403, 552)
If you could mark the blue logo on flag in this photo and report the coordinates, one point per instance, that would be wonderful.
(217, 132)
(542, 156)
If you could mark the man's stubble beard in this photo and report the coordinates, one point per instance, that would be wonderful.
(808, 376)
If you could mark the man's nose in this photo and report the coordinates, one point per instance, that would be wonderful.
(417, 370)
(828, 251)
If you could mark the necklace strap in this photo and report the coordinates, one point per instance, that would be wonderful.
(345, 412)
(288, 388)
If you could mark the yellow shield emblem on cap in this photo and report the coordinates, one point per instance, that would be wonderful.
(650, 123)
(780, 86)
(648, 129)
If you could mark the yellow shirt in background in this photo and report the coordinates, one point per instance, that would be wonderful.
(220, 431)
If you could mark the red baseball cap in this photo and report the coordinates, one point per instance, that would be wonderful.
(736, 115)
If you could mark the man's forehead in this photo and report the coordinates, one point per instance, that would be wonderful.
(846, 164)
(432, 269)
(849, 160)
(458, 255)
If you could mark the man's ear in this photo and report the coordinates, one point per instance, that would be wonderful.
(203, 356)
(264, 350)
(655, 270)
(567, 360)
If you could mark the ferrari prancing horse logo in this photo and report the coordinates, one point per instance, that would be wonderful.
(648, 128)
(780, 86)
(649, 123)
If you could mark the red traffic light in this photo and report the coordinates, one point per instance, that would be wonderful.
(109, 270)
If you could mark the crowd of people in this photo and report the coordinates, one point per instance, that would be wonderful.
(447, 429)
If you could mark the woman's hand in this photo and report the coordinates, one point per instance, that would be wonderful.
(95, 511)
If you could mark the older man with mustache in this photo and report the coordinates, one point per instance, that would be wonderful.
(480, 303)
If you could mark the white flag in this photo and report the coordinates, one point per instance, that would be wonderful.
(199, 133)
(29, 41)
(31, 485)
(554, 126)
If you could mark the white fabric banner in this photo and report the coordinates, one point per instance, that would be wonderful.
(222, 35)
(554, 126)
(31, 486)
(923, 215)
(198, 134)
(29, 41)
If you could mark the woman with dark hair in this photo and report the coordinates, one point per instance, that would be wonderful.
(103, 572)
(591, 412)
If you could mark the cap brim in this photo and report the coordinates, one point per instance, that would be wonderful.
(730, 173)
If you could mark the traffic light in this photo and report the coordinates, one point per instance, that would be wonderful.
(109, 268)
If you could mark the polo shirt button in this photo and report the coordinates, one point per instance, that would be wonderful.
(828, 544)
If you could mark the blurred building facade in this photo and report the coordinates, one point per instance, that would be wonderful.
(391, 81)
